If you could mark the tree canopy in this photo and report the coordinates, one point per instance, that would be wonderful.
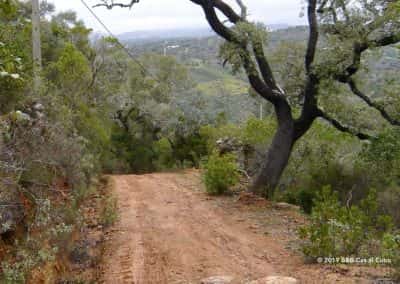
(340, 33)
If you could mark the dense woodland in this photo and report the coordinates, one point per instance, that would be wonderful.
(188, 103)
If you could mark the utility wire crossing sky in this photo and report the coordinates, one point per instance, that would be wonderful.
(177, 14)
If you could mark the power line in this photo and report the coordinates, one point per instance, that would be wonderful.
(124, 48)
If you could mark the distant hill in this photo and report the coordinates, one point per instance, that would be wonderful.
(205, 48)
(154, 35)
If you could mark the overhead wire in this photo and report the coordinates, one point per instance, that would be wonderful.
(124, 48)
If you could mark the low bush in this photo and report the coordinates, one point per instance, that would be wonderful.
(336, 230)
(47, 170)
(391, 246)
(220, 173)
(389, 200)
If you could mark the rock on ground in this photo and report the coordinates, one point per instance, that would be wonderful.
(217, 280)
(275, 280)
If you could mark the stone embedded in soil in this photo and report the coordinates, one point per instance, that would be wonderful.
(275, 280)
(217, 280)
(285, 206)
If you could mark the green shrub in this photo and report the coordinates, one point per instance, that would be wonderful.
(253, 132)
(257, 132)
(306, 200)
(303, 197)
(17, 271)
(163, 149)
(389, 200)
(391, 246)
(336, 230)
(382, 157)
(14, 273)
(220, 173)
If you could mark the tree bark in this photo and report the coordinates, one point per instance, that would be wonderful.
(278, 153)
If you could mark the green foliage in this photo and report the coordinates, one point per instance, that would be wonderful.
(93, 127)
(188, 149)
(8, 8)
(109, 214)
(13, 55)
(135, 145)
(102, 111)
(220, 173)
(336, 230)
(72, 69)
(389, 200)
(212, 134)
(18, 272)
(391, 250)
(245, 32)
(51, 143)
(165, 154)
(323, 157)
(287, 63)
(258, 132)
(303, 197)
(14, 273)
(254, 132)
(333, 230)
(382, 156)
(218, 87)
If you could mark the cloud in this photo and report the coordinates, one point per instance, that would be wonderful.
(168, 14)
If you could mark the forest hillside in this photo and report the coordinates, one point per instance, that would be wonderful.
(301, 124)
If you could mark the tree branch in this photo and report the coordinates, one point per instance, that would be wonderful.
(313, 37)
(309, 109)
(343, 128)
(264, 88)
(360, 48)
(243, 8)
(321, 8)
(112, 4)
(267, 86)
(218, 26)
(258, 48)
(346, 76)
(266, 72)
(353, 87)
(259, 85)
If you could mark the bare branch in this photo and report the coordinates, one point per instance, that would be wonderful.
(112, 4)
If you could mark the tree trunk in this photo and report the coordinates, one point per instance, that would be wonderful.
(278, 155)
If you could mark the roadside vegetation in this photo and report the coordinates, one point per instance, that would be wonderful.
(100, 112)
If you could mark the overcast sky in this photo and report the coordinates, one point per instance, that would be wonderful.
(171, 14)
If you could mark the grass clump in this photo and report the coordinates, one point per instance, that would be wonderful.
(109, 214)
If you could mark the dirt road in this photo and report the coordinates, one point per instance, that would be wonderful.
(171, 232)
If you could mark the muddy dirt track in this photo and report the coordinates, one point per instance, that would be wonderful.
(170, 232)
